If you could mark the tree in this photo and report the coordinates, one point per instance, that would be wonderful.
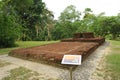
(87, 21)
(107, 25)
(18, 9)
(29, 16)
(70, 14)
(46, 25)
(114, 23)
(67, 23)
(87, 12)
(9, 30)
(32, 15)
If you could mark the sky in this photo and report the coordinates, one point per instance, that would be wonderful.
(110, 7)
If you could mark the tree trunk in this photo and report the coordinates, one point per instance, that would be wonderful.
(37, 30)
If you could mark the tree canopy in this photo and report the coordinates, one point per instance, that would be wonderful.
(31, 20)
(29, 16)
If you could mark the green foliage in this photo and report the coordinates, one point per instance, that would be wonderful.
(105, 26)
(9, 30)
(87, 12)
(21, 73)
(113, 61)
(57, 31)
(87, 23)
(70, 14)
(29, 15)
(33, 16)
(64, 30)
(67, 24)
(31, 20)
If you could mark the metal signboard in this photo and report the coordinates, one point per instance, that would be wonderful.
(72, 59)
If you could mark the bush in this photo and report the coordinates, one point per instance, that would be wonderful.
(9, 30)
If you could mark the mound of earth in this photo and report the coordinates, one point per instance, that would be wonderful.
(54, 52)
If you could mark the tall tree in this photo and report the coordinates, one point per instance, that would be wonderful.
(46, 25)
(10, 30)
(70, 14)
(67, 23)
(31, 15)
(87, 21)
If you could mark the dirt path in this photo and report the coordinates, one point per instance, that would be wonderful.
(99, 73)
(88, 67)
(47, 71)
(82, 72)
(4, 71)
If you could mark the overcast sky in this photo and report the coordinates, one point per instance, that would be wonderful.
(110, 7)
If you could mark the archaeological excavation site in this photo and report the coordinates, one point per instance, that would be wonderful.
(82, 44)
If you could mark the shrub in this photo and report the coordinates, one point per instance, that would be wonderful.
(9, 30)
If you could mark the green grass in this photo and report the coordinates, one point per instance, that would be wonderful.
(25, 44)
(115, 43)
(3, 63)
(20, 73)
(113, 60)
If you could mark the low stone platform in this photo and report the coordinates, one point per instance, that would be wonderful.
(85, 37)
(98, 40)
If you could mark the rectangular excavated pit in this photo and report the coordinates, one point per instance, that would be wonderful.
(81, 44)
(54, 52)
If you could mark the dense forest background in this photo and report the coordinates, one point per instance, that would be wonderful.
(29, 20)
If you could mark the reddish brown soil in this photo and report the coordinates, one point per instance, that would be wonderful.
(54, 52)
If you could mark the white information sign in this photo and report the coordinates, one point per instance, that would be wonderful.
(72, 59)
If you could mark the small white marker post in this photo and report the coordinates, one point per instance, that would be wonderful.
(71, 60)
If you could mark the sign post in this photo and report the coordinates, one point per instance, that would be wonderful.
(71, 60)
(71, 73)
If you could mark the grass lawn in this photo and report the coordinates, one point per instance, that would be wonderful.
(21, 73)
(113, 60)
(25, 44)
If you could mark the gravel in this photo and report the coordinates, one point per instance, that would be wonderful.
(88, 67)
